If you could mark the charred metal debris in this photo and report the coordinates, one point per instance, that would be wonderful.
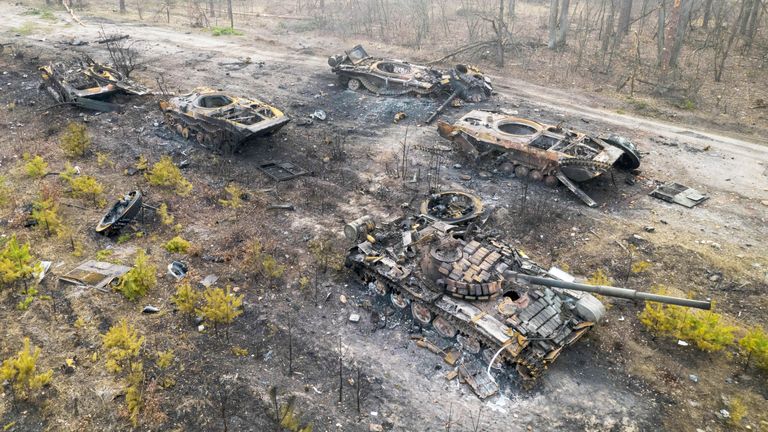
(87, 84)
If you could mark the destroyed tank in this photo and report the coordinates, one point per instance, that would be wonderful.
(392, 77)
(87, 84)
(538, 151)
(473, 286)
(220, 122)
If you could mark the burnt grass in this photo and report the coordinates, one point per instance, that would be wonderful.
(347, 156)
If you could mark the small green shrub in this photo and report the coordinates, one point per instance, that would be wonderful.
(755, 346)
(45, 213)
(87, 187)
(220, 307)
(165, 217)
(140, 279)
(234, 193)
(166, 174)
(225, 31)
(186, 298)
(75, 140)
(165, 359)
(35, 167)
(15, 262)
(122, 344)
(705, 329)
(134, 392)
(177, 245)
(21, 371)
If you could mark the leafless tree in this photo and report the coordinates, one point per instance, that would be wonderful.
(558, 23)
(123, 52)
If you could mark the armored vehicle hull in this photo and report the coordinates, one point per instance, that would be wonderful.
(479, 289)
(220, 122)
(391, 77)
(540, 151)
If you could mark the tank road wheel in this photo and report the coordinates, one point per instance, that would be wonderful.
(354, 84)
(185, 133)
(469, 344)
(398, 300)
(521, 171)
(421, 313)
(535, 175)
(444, 328)
(381, 288)
(550, 180)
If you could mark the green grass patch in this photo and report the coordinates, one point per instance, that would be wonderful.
(43, 13)
(225, 31)
(25, 29)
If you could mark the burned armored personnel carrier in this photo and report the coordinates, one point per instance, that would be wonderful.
(480, 290)
(221, 122)
(539, 151)
(87, 84)
(391, 77)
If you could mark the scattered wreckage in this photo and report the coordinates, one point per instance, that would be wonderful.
(539, 151)
(121, 213)
(390, 77)
(679, 194)
(87, 84)
(94, 274)
(481, 292)
(221, 122)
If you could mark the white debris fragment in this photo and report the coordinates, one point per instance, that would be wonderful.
(354, 317)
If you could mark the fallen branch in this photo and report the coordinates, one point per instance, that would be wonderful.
(64, 3)
(281, 207)
(463, 49)
(113, 39)
(261, 15)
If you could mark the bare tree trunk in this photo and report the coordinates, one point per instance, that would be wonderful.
(754, 19)
(229, 12)
(743, 23)
(138, 9)
(122, 6)
(552, 23)
(511, 10)
(608, 33)
(562, 33)
(682, 25)
(500, 33)
(660, 34)
(707, 13)
(625, 16)
(211, 9)
(725, 50)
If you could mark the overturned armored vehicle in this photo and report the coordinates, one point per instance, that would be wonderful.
(390, 77)
(480, 290)
(540, 151)
(87, 84)
(221, 122)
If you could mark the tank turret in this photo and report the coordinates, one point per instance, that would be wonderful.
(473, 287)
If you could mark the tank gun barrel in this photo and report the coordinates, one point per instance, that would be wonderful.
(612, 291)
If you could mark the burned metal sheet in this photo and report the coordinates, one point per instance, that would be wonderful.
(282, 171)
(679, 194)
(94, 274)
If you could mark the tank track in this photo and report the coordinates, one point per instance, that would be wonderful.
(210, 137)
(587, 163)
(373, 88)
(532, 362)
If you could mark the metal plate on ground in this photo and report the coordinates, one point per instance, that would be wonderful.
(679, 194)
(282, 171)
